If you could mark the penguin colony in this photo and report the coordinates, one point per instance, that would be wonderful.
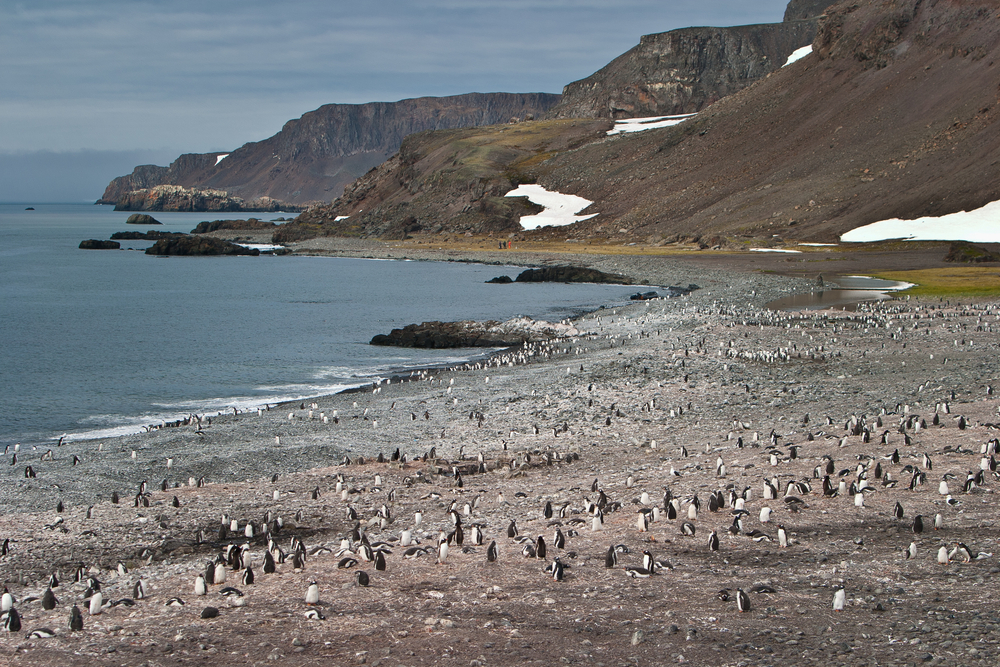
(619, 485)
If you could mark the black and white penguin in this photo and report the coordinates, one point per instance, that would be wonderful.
(491, 552)
(200, 587)
(611, 558)
(362, 578)
(512, 529)
(687, 528)
(314, 615)
(559, 540)
(379, 561)
(742, 600)
(49, 600)
(713, 541)
(269, 566)
(918, 524)
(897, 511)
(312, 594)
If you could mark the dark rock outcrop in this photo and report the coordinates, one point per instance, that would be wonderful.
(142, 219)
(249, 223)
(151, 235)
(177, 198)
(967, 253)
(501, 280)
(198, 245)
(570, 274)
(683, 71)
(313, 157)
(469, 333)
(97, 244)
(798, 10)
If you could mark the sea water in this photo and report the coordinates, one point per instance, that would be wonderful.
(102, 342)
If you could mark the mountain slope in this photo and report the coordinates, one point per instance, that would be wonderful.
(683, 71)
(893, 115)
(312, 158)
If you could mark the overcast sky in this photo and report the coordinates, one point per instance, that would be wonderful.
(162, 77)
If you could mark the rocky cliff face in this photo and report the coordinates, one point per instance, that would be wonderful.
(177, 198)
(314, 157)
(683, 71)
(798, 10)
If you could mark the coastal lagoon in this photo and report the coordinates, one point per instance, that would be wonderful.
(102, 342)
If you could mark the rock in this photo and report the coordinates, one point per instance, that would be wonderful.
(141, 219)
(571, 274)
(198, 245)
(209, 612)
(968, 253)
(442, 335)
(501, 280)
(249, 223)
(151, 235)
(96, 244)
(177, 198)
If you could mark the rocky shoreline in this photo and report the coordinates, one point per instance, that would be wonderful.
(644, 397)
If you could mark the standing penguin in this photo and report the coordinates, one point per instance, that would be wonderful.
(491, 552)
(713, 543)
(782, 536)
(49, 600)
(12, 621)
(312, 594)
(75, 619)
(247, 578)
(742, 600)
(442, 551)
(199, 585)
(839, 599)
(96, 603)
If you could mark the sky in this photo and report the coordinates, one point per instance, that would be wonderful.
(116, 83)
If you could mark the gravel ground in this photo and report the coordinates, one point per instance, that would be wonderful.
(640, 388)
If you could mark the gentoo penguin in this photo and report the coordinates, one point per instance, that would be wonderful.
(220, 573)
(379, 561)
(512, 529)
(312, 594)
(918, 524)
(611, 558)
(491, 552)
(269, 566)
(315, 615)
(897, 511)
(713, 542)
(559, 540)
(943, 487)
(362, 578)
(442, 551)
(961, 552)
(938, 522)
(12, 621)
(6, 600)
(96, 603)
(41, 633)
(49, 600)
(839, 599)
(75, 619)
(782, 536)
(199, 585)
(692, 512)
(942, 557)
(597, 523)
(765, 514)
(557, 570)
(742, 600)
(687, 528)
(911, 552)
(247, 577)
(540, 547)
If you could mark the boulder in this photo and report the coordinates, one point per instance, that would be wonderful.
(198, 245)
(469, 333)
(142, 219)
(151, 235)
(97, 244)
(500, 280)
(250, 223)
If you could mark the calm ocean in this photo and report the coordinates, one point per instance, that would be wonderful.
(96, 342)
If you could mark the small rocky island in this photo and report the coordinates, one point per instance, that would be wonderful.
(564, 274)
(469, 333)
(198, 245)
(97, 244)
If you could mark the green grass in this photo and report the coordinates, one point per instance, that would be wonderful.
(951, 282)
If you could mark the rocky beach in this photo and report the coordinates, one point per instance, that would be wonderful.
(659, 401)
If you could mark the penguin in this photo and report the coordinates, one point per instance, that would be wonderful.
(742, 600)
(12, 621)
(782, 536)
(491, 552)
(362, 578)
(938, 522)
(637, 572)
(269, 566)
(897, 511)
(6, 600)
(713, 543)
(199, 585)
(442, 551)
(911, 552)
(312, 594)
(765, 514)
(918, 524)
(942, 557)
(611, 558)
(96, 603)
(49, 600)
(839, 599)
(75, 619)
(314, 615)
(687, 528)
(557, 570)
(512, 529)
(559, 540)
(379, 561)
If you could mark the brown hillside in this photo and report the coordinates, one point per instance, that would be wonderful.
(893, 115)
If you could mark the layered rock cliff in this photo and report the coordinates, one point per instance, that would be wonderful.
(683, 71)
(177, 198)
(312, 158)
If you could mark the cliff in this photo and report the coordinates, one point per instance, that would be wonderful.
(312, 158)
(177, 198)
(893, 115)
(683, 71)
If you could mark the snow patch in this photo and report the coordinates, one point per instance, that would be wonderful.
(341, 217)
(263, 247)
(559, 210)
(819, 245)
(220, 158)
(774, 250)
(798, 54)
(979, 226)
(641, 124)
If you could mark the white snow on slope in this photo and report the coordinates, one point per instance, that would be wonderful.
(559, 210)
(798, 54)
(640, 124)
(979, 226)
(774, 250)
(220, 158)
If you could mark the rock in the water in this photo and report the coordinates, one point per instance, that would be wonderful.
(501, 280)
(142, 219)
(97, 244)
(151, 235)
(198, 245)
(249, 223)
(440, 335)
(571, 274)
